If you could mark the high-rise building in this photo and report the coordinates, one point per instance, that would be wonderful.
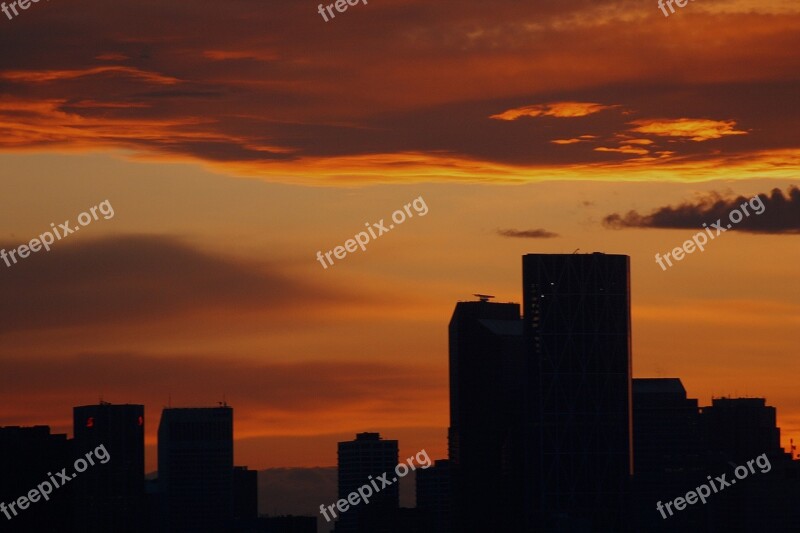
(195, 468)
(28, 456)
(109, 496)
(668, 453)
(578, 353)
(435, 497)
(245, 493)
(360, 461)
(486, 409)
(739, 429)
(666, 427)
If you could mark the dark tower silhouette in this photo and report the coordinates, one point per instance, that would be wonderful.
(368, 455)
(738, 429)
(195, 468)
(435, 496)
(245, 493)
(667, 435)
(486, 381)
(578, 351)
(110, 496)
(669, 454)
(27, 454)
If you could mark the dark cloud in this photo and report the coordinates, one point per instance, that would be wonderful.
(527, 233)
(139, 277)
(779, 214)
(270, 88)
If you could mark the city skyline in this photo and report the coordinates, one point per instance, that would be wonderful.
(546, 423)
(234, 142)
(438, 442)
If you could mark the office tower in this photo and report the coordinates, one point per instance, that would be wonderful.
(368, 455)
(27, 457)
(434, 496)
(578, 352)
(245, 493)
(195, 468)
(668, 453)
(109, 496)
(666, 427)
(739, 429)
(486, 409)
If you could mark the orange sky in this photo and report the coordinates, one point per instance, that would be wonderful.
(235, 142)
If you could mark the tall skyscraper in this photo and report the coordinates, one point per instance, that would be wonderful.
(578, 352)
(195, 468)
(368, 455)
(110, 496)
(486, 409)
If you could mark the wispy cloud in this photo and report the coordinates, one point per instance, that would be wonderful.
(44, 76)
(538, 233)
(557, 109)
(625, 149)
(695, 129)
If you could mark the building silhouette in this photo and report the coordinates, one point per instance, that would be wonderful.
(195, 468)
(679, 446)
(28, 456)
(669, 454)
(281, 524)
(543, 410)
(578, 353)
(741, 428)
(435, 497)
(666, 426)
(110, 496)
(359, 462)
(486, 409)
(245, 493)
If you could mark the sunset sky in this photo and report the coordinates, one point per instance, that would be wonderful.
(236, 139)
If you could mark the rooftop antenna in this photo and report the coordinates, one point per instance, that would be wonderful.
(576, 251)
(483, 297)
